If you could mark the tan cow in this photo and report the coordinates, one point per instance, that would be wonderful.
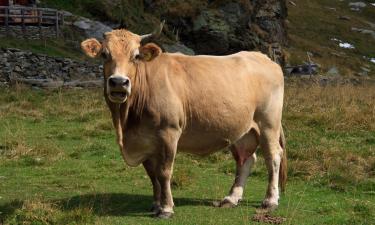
(161, 102)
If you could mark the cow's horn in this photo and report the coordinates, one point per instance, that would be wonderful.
(156, 32)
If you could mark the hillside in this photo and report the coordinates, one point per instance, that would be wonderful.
(315, 26)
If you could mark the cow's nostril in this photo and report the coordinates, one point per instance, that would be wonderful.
(126, 82)
(111, 82)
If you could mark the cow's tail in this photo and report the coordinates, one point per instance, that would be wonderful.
(283, 172)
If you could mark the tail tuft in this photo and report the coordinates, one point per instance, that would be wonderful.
(283, 172)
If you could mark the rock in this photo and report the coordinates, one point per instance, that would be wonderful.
(364, 71)
(178, 47)
(364, 31)
(344, 18)
(17, 68)
(92, 29)
(224, 27)
(51, 72)
(358, 5)
(85, 84)
(82, 24)
(333, 71)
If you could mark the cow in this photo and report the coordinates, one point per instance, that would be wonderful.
(163, 102)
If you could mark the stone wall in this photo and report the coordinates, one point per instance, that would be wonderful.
(45, 71)
(31, 32)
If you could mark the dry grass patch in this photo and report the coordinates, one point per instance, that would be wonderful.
(325, 127)
(182, 177)
(45, 212)
(14, 147)
(336, 168)
(343, 107)
(78, 106)
(98, 127)
(38, 154)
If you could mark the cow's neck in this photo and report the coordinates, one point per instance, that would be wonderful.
(137, 102)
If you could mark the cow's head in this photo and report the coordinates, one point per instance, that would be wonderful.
(121, 50)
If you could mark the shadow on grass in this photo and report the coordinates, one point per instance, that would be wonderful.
(106, 204)
(121, 204)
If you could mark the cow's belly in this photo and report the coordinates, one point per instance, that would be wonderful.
(206, 140)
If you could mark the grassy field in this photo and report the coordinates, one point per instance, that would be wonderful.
(59, 163)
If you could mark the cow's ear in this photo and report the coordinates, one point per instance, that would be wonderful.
(149, 52)
(91, 47)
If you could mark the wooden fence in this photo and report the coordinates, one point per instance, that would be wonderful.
(30, 16)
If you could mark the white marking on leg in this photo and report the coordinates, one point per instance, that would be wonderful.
(167, 209)
(236, 192)
(272, 197)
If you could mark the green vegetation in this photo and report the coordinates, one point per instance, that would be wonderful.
(126, 12)
(59, 163)
(51, 47)
(312, 25)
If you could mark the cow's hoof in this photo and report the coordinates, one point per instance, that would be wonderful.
(225, 203)
(267, 207)
(164, 215)
(155, 208)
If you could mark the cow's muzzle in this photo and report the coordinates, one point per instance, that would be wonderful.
(118, 88)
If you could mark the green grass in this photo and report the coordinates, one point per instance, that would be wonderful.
(59, 164)
(50, 47)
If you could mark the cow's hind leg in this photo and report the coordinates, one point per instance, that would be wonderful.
(269, 141)
(244, 153)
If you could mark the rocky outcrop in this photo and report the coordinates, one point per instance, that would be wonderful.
(91, 28)
(224, 27)
(45, 71)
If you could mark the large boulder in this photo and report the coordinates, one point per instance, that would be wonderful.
(224, 27)
(91, 28)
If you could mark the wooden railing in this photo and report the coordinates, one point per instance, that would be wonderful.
(30, 16)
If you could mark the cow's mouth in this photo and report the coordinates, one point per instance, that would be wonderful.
(118, 94)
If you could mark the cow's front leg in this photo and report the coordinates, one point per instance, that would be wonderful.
(150, 166)
(166, 156)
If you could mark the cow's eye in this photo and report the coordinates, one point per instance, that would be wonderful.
(136, 55)
(105, 54)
